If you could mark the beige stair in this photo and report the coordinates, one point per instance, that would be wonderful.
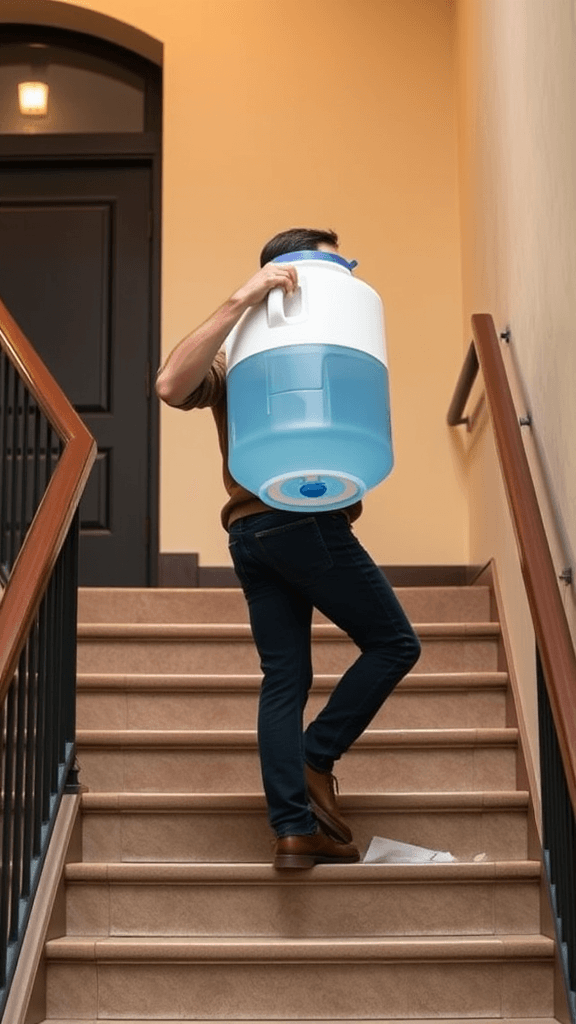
(228, 647)
(108, 701)
(331, 1020)
(176, 913)
(227, 762)
(253, 899)
(154, 827)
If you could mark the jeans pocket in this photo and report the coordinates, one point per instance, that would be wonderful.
(296, 550)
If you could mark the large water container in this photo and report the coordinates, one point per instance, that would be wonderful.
(307, 382)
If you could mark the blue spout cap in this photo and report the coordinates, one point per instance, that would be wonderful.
(316, 254)
(314, 489)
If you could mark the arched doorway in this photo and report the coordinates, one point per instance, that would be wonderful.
(80, 262)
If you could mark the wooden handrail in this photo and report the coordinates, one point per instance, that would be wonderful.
(463, 388)
(548, 616)
(43, 542)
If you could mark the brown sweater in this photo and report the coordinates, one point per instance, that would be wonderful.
(211, 393)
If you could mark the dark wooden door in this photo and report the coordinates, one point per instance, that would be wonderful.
(75, 275)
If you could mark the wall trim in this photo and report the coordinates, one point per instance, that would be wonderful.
(56, 14)
(184, 570)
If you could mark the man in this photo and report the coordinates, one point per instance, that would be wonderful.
(289, 563)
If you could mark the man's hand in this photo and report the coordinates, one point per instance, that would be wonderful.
(272, 275)
(190, 361)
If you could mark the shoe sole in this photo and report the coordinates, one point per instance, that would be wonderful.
(299, 861)
(340, 832)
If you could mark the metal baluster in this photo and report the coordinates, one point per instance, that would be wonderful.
(59, 689)
(13, 547)
(4, 554)
(49, 739)
(31, 754)
(6, 878)
(4, 365)
(20, 684)
(39, 431)
(71, 626)
(23, 524)
(40, 771)
(3, 899)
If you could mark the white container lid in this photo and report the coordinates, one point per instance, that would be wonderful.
(330, 307)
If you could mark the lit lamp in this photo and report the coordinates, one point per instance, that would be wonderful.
(33, 98)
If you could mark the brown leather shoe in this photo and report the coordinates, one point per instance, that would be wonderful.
(306, 851)
(322, 796)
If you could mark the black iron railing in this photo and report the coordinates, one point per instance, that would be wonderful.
(555, 656)
(558, 839)
(45, 458)
(38, 751)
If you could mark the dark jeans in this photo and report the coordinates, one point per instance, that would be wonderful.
(288, 563)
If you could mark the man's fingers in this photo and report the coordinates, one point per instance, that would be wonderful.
(286, 277)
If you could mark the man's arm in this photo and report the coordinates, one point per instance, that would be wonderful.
(188, 364)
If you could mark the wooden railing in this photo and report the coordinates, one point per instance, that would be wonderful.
(556, 659)
(46, 454)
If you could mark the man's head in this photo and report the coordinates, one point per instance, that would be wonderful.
(295, 240)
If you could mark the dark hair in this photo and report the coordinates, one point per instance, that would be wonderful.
(295, 240)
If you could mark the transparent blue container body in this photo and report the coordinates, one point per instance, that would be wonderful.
(309, 425)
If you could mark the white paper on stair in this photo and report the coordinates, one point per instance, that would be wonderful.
(388, 851)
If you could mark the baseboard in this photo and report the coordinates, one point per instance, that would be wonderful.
(184, 570)
(178, 570)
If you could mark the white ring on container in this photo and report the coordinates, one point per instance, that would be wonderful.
(353, 488)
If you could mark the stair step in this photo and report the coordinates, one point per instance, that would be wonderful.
(254, 899)
(136, 701)
(185, 828)
(176, 910)
(332, 1020)
(236, 949)
(227, 761)
(121, 604)
(344, 978)
(228, 647)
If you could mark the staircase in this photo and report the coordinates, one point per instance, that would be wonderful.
(175, 912)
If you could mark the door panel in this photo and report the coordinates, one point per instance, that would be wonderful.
(75, 274)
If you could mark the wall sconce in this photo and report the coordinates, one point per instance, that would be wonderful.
(33, 99)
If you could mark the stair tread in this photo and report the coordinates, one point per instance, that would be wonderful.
(171, 948)
(242, 630)
(387, 1020)
(493, 736)
(250, 873)
(481, 800)
(165, 682)
(228, 604)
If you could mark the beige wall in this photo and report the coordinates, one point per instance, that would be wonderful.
(319, 113)
(517, 105)
(342, 114)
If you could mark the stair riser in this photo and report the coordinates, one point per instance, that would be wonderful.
(203, 837)
(335, 990)
(232, 710)
(363, 770)
(234, 656)
(421, 604)
(302, 910)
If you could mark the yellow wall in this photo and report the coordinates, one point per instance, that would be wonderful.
(335, 113)
(517, 106)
